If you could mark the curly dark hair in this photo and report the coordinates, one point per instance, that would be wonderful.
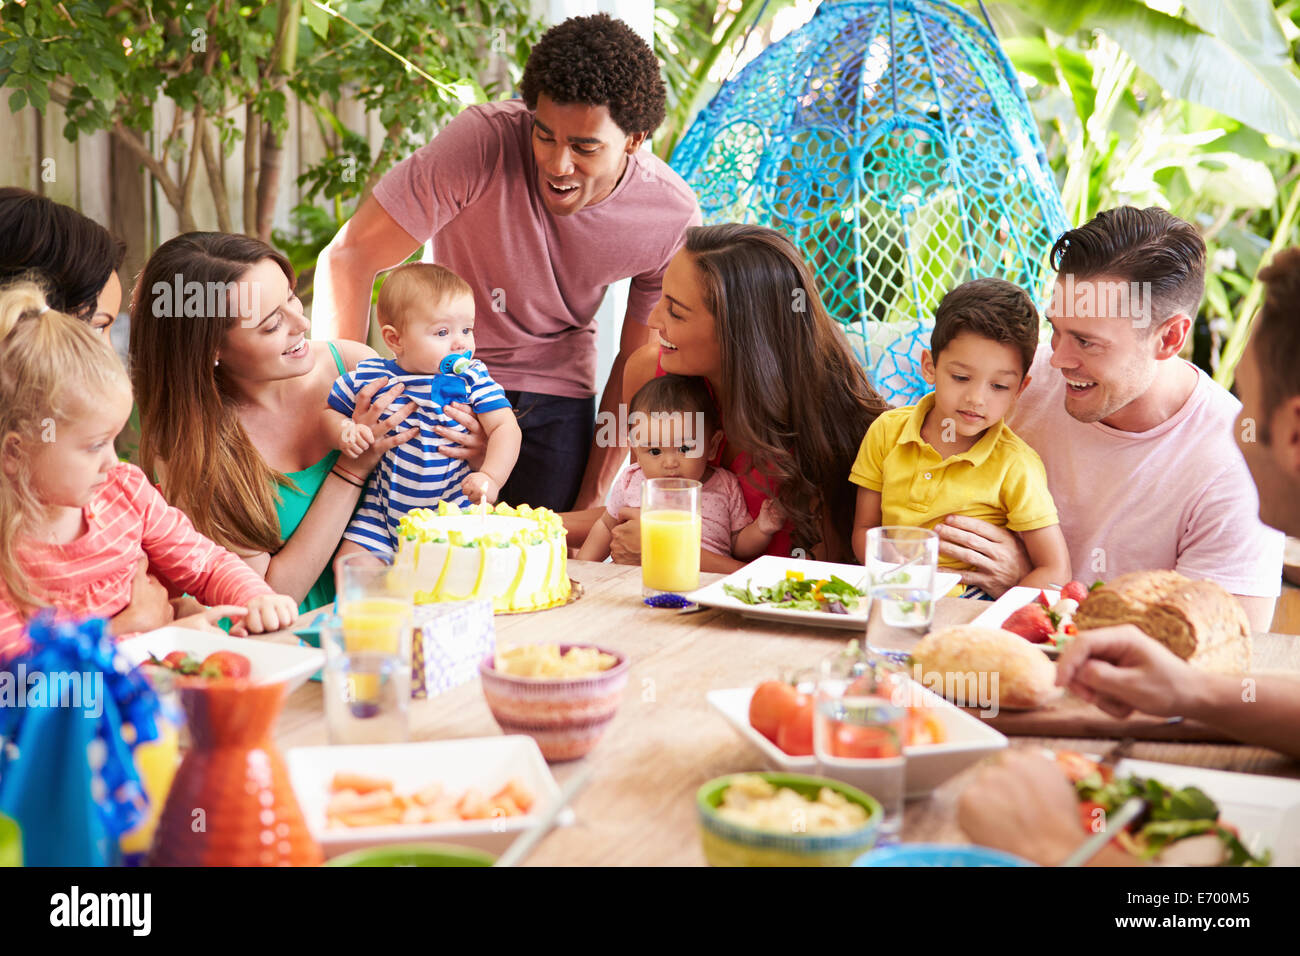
(598, 61)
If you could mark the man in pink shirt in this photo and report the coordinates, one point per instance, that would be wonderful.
(1138, 443)
(539, 204)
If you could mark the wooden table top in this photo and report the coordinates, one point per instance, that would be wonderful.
(639, 808)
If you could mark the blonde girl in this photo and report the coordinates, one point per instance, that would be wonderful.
(74, 521)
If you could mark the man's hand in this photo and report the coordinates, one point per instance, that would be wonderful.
(150, 607)
(471, 444)
(1120, 670)
(1023, 804)
(996, 556)
(625, 540)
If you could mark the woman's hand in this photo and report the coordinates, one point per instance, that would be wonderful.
(150, 606)
(996, 556)
(369, 414)
(471, 445)
(625, 540)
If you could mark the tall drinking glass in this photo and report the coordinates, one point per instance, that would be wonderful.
(860, 728)
(368, 653)
(670, 536)
(902, 564)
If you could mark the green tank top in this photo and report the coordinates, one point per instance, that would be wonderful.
(293, 504)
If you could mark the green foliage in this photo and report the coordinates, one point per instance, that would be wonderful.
(691, 37)
(415, 62)
(1199, 114)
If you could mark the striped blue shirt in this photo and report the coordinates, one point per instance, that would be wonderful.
(414, 474)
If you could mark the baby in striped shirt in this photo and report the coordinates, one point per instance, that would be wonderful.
(426, 316)
(74, 521)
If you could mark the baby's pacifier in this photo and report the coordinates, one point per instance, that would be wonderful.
(455, 363)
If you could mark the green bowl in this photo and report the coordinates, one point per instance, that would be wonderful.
(730, 844)
(415, 854)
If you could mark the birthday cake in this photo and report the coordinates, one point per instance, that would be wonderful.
(518, 557)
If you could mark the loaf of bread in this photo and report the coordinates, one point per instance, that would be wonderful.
(1025, 676)
(1197, 620)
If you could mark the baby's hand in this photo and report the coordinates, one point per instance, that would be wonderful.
(355, 439)
(269, 612)
(478, 486)
(771, 517)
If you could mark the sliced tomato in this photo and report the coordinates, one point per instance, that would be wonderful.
(924, 727)
(865, 743)
(795, 734)
(1092, 820)
(771, 705)
(1075, 764)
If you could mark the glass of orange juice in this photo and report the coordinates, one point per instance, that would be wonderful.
(670, 536)
(368, 655)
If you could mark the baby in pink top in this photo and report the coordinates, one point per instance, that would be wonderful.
(674, 432)
(74, 521)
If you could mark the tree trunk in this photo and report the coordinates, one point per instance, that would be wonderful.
(268, 182)
(217, 182)
(252, 139)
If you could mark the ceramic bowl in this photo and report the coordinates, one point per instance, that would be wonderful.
(566, 716)
(730, 844)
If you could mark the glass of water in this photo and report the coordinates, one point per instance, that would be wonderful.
(860, 728)
(902, 564)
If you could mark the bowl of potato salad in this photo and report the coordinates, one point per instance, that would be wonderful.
(561, 695)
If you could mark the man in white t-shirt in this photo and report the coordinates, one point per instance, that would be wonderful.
(1138, 443)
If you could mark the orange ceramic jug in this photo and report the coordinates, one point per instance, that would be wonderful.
(231, 803)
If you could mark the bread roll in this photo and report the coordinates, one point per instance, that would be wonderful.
(1026, 677)
(1197, 620)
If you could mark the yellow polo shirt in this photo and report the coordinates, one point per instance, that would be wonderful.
(1000, 479)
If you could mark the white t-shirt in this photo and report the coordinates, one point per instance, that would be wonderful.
(1178, 496)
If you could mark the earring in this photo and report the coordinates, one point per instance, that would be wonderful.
(216, 363)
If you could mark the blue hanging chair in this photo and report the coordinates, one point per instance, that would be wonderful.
(891, 141)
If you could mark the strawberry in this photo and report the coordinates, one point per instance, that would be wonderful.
(1075, 590)
(1032, 623)
(1042, 599)
(175, 660)
(225, 664)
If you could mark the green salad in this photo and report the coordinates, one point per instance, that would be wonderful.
(1171, 815)
(833, 596)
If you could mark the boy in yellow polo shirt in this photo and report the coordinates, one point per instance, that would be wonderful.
(952, 453)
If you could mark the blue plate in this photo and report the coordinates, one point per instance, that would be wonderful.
(938, 854)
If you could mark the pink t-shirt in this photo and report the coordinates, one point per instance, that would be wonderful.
(127, 518)
(1178, 496)
(723, 511)
(538, 279)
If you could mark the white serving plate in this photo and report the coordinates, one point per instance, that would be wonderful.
(1265, 810)
(484, 763)
(270, 662)
(969, 740)
(768, 569)
(1012, 600)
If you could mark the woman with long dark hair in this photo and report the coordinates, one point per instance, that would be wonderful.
(70, 256)
(740, 308)
(230, 390)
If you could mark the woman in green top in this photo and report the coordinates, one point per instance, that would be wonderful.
(231, 392)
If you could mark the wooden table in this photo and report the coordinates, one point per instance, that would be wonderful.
(639, 808)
